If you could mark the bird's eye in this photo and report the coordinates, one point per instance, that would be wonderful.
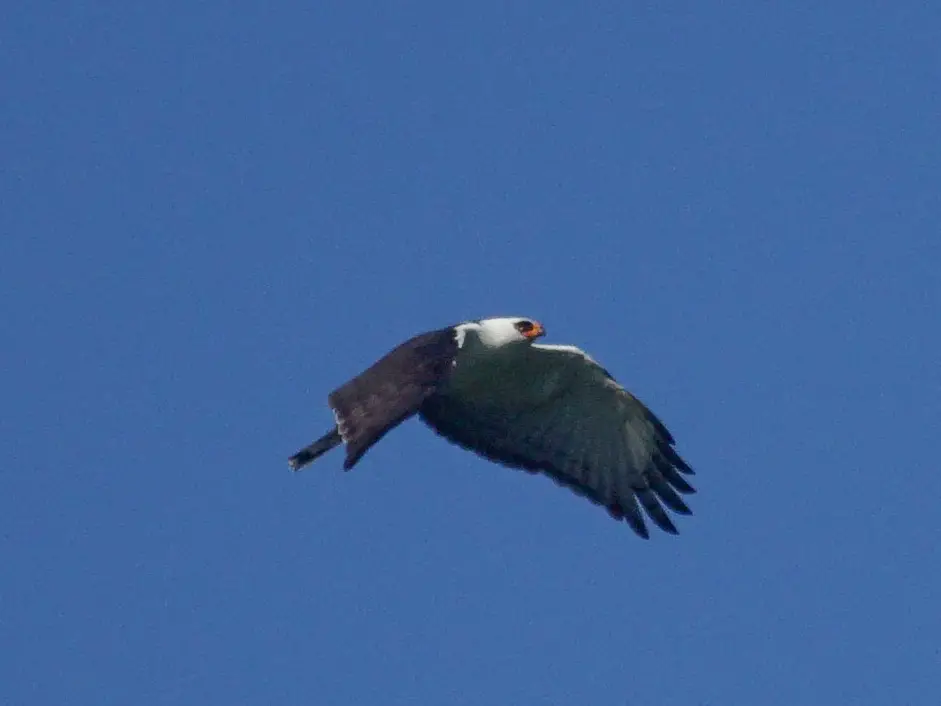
(524, 326)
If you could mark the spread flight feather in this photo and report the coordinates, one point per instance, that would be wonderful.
(486, 386)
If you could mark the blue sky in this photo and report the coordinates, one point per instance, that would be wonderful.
(215, 213)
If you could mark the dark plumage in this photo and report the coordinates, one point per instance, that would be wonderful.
(486, 386)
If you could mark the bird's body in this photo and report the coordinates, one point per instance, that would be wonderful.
(486, 386)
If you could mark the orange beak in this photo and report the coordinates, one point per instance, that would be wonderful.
(536, 331)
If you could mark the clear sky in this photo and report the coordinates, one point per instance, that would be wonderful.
(214, 213)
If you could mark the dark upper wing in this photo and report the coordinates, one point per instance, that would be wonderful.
(589, 435)
(391, 390)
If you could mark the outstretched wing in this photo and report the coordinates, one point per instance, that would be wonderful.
(560, 413)
(391, 390)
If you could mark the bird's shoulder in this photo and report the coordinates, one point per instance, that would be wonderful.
(572, 357)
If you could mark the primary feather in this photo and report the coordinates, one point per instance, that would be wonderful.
(485, 386)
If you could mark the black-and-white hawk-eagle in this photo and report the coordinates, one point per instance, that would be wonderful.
(488, 387)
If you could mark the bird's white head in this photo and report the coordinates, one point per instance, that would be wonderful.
(497, 332)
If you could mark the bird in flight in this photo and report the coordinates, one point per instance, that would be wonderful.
(487, 386)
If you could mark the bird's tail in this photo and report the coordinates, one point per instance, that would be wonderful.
(316, 449)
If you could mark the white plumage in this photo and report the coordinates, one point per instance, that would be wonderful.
(486, 386)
